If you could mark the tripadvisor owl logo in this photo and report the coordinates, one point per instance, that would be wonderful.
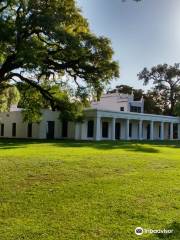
(139, 231)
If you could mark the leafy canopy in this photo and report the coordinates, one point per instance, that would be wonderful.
(166, 81)
(44, 42)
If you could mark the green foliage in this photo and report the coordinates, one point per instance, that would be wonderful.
(177, 109)
(47, 41)
(152, 102)
(166, 80)
(31, 102)
(8, 96)
(32, 107)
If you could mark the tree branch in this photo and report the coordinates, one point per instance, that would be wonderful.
(45, 93)
(4, 7)
(9, 65)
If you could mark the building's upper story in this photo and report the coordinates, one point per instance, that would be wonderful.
(119, 102)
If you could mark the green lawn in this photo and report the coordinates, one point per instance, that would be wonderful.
(60, 190)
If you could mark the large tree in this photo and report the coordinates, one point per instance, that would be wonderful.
(44, 42)
(166, 81)
(152, 103)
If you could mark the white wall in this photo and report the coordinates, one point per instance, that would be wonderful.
(21, 127)
(112, 103)
(49, 115)
(39, 130)
(79, 130)
(115, 101)
(77, 134)
(71, 130)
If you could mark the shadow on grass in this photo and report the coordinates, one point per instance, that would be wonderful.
(17, 143)
(135, 146)
(110, 145)
(175, 235)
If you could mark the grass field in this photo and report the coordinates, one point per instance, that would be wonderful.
(61, 190)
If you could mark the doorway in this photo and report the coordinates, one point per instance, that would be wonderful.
(148, 131)
(105, 129)
(50, 130)
(64, 128)
(118, 131)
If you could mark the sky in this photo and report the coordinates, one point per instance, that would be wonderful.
(143, 34)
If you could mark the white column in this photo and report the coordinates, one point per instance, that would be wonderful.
(178, 131)
(127, 129)
(97, 128)
(171, 131)
(113, 126)
(42, 130)
(77, 130)
(140, 129)
(152, 130)
(82, 130)
(162, 131)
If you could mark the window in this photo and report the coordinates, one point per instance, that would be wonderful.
(135, 109)
(90, 129)
(64, 128)
(2, 130)
(14, 129)
(122, 109)
(148, 131)
(118, 130)
(130, 130)
(105, 126)
(175, 131)
(29, 130)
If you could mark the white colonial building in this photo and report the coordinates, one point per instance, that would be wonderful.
(116, 116)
